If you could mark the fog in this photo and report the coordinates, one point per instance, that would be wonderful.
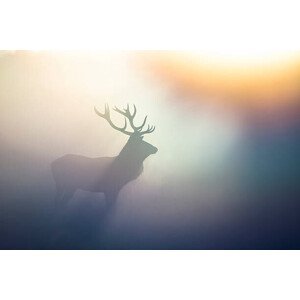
(213, 184)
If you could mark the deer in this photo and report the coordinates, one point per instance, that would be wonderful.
(107, 175)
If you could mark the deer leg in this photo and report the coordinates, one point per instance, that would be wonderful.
(58, 196)
(62, 197)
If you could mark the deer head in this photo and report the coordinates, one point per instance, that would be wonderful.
(136, 145)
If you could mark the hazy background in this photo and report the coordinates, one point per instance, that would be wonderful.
(222, 179)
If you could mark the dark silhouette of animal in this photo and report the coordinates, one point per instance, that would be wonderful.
(104, 174)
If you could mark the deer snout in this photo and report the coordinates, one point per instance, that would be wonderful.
(155, 150)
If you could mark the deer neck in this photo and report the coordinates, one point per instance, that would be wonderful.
(129, 158)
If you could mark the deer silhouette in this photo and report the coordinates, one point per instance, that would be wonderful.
(107, 175)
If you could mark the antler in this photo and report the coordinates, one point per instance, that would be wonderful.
(130, 117)
(149, 130)
(126, 113)
(106, 116)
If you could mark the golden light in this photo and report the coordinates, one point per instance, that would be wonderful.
(249, 82)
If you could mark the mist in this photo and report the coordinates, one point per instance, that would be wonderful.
(215, 182)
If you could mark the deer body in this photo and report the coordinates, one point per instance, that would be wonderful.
(74, 172)
(104, 174)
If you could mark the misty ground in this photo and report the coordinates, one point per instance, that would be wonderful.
(261, 212)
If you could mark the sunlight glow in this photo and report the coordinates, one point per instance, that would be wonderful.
(256, 82)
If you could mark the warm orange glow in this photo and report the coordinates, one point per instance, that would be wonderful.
(253, 83)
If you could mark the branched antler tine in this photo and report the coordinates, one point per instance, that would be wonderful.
(99, 113)
(149, 130)
(139, 128)
(107, 111)
(126, 112)
(121, 111)
(125, 125)
(130, 117)
(134, 111)
(106, 116)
